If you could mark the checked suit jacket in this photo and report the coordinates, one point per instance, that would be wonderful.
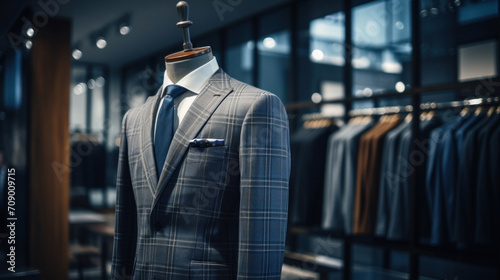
(213, 212)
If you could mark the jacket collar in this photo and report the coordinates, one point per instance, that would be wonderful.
(213, 93)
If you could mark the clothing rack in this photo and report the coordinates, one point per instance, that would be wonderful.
(463, 103)
(379, 111)
(318, 116)
(316, 120)
(489, 257)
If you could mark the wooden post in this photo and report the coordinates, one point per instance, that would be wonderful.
(49, 149)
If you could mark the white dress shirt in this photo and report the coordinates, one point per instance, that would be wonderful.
(194, 83)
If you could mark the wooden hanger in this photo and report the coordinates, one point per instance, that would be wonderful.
(490, 111)
(479, 110)
(430, 115)
(355, 120)
(409, 117)
(366, 120)
(184, 23)
(464, 111)
(423, 116)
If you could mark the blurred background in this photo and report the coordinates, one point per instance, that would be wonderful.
(70, 69)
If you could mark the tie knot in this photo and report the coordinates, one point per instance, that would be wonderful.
(174, 90)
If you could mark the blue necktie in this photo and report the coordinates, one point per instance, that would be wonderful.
(165, 125)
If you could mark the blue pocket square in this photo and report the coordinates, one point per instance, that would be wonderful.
(206, 142)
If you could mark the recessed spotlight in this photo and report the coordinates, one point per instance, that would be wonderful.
(77, 54)
(124, 29)
(101, 42)
(316, 97)
(124, 26)
(28, 44)
(399, 25)
(269, 42)
(100, 81)
(91, 84)
(367, 92)
(80, 88)
(30, 32)
(317, 55)
(400, 86)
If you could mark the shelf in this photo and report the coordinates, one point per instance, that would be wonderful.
(488, 257)
(316, 263)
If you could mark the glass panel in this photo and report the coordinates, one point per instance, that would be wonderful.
(78, 99)
(139, 82)
(96, 86)
(455, 57)
(274, 53)
(321, 53)
(473, 10)
(239, 53)
(381, 53)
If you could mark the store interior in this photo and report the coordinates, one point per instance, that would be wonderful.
(70, 70)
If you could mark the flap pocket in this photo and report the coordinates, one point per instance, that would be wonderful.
(204, 270)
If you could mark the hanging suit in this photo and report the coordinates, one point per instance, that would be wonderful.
(214, 212)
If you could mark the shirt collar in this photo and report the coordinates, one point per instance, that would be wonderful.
(195, 80)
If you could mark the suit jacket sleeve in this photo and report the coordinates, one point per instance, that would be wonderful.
(265, 169)
(125, 237)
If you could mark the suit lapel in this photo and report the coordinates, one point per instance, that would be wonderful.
(216, 89)
(146, 139)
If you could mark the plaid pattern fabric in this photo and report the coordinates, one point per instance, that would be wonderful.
(214, 212)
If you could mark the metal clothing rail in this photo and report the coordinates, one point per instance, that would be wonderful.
(381, 111)
(462, 103)
(319, 116)
(425, 106)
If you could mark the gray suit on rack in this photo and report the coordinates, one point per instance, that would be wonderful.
(214, 212)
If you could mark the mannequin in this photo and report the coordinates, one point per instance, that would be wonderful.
(181, 63)
(218, 207)
(176, 70)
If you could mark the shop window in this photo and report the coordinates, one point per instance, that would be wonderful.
(239, 53)
(381, 52)
(458, 41)
(274, 48)
(78, 98)
(320, 54)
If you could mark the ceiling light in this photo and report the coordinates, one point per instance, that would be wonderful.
(400, 86)
(316, 97)
(101, 42)
(28, 44)
(30, 32)
(392, 67)
(91, 84)
(100, 81)
(361, 63)
(124, 26)
(77, 54)
(317, 55)
(124, 29)
(269, 42)
(79, 88)
(367, 92)
(390, 64)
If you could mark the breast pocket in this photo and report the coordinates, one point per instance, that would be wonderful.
(206, 164)
(200, 270)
